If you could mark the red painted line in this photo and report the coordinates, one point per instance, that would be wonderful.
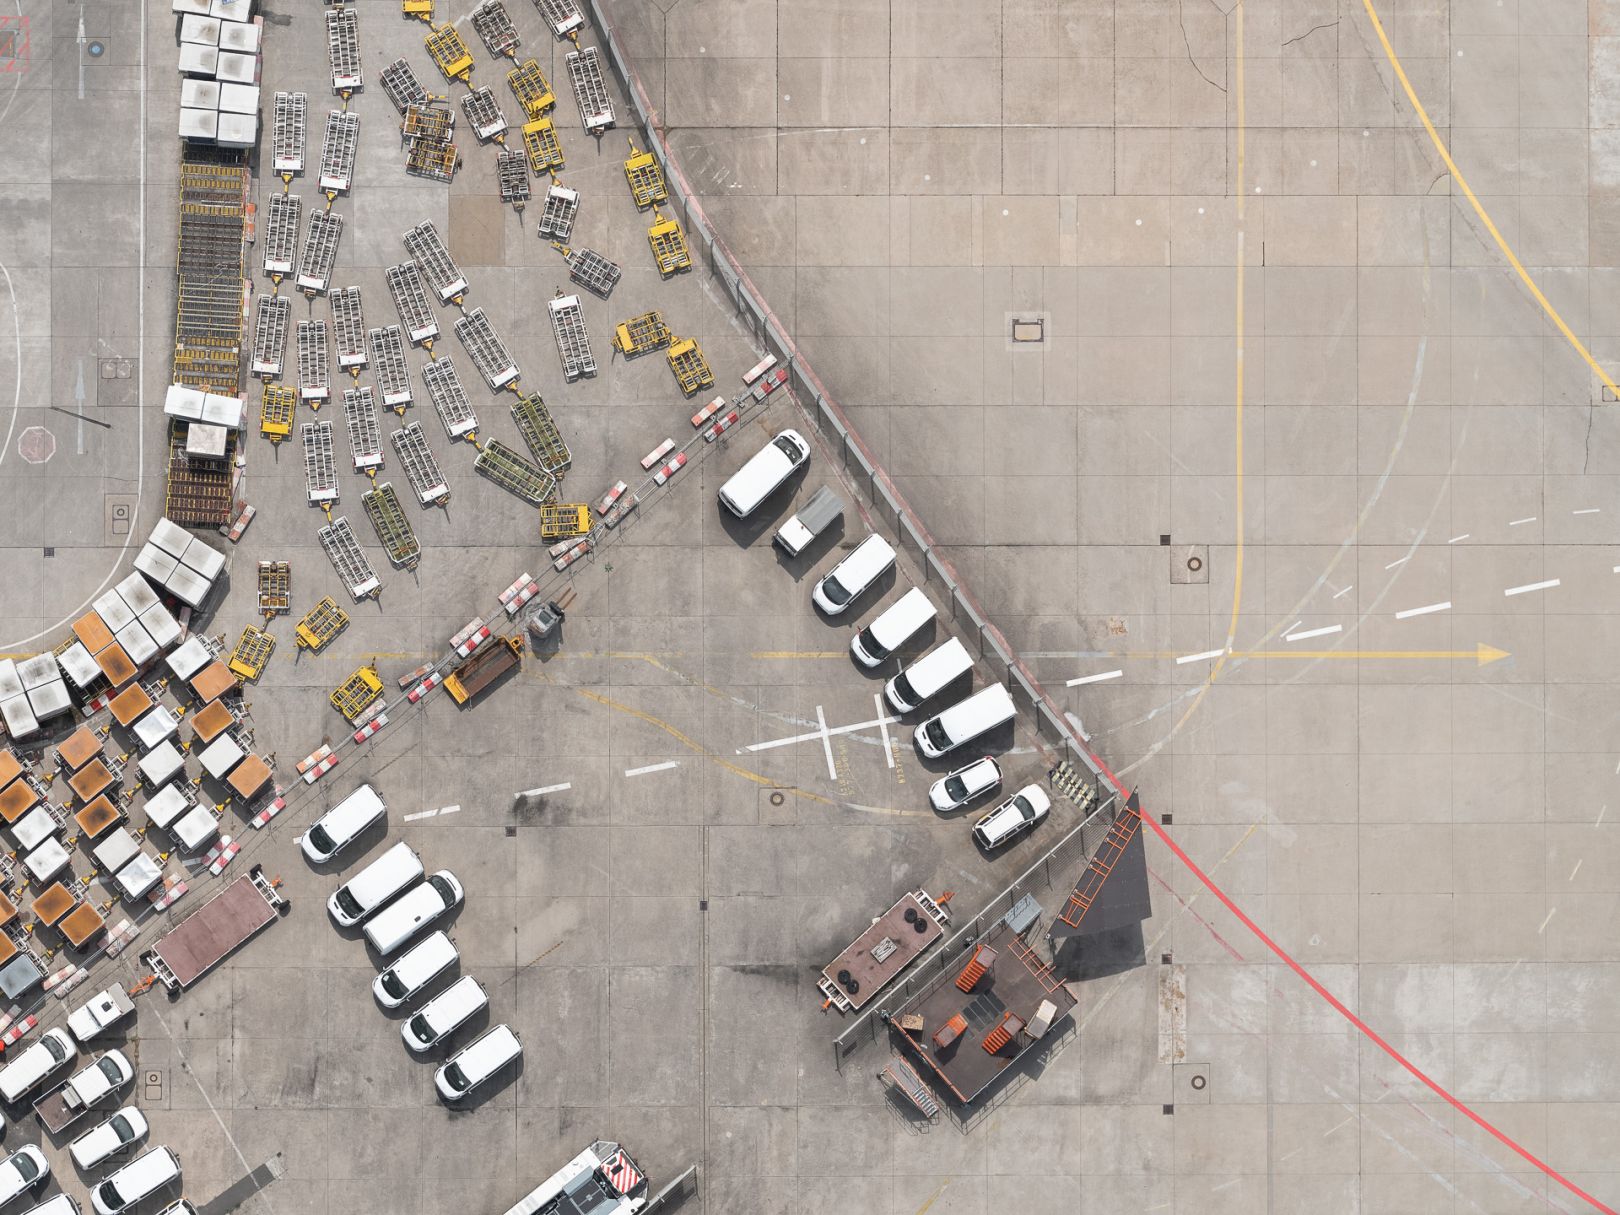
(1187, 909)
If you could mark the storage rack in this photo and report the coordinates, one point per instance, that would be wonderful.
(275, 588)
(646, 178)
(357, 693)
(641, 334)
(415, 313)
(592, 271)
(431, 254)
(449, 398)
(513, 473)
(315, 263)
(281, 234)
(491, 23)
(392, 371)
(314, 378)
(360, 419)
(485, 348)
(338, 147)
(197, 493)
(668, 245)
(512, 177)
(434, 159)
(590, 90)
(573, 343)
(420, 466)
(392, 527)
(428, 120)
(343, 49)
(320, 468)
(539, 431)
(343, 551)
(690, 367)
(531, 88)
(541, 146)
(448, 50)
(563, 16)
(276, 411)
(270, 316)
(557, 219)
(400, 83)
(484, 114)
(320, 624)
(252, 652)
(289, 133)
(349, 329)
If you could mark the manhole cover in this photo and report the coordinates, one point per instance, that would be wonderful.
(1189, 563)
(36, 445)
(777, 799)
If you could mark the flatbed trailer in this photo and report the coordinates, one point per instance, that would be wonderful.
(215, 930)
(892, 942)
(57, 1110)
(484, 668)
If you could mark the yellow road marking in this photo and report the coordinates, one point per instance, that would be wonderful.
(798, 653)
(1482, 654)
(1468, 192)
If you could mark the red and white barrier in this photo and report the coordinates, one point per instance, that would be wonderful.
(79, 975)
(242, 522)
(720, 427)
(472, 626)
(772, 381)
(670, 469)
(169, 894)
(513, 591)
(613, 518)
(609, 498)
(57, 978)
(516, 603)
(480, 635)
(263, 817)
(426, 686)
(97, 704)
(707, 412)
(322, 767)
(759, 369)
(657, 453)
(313, 758)
(571, 556)
(371, 727)
(410, 677)
(15, 1033)
(221, 855)
(120, 937)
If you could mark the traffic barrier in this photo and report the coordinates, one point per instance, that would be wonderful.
(511, 592)
(720, 427)
(426, 686)
(670, 469)
(615, 516)
(657, 453)
(15, 1033)
(517, 602)
(79, 975)
(263, 817)
(221, 855)
(98, 703)
(241, 523)
(562, 546)
(371, 727)
(321, 768)
(759, 369)
(609, 498)
(120, 937)
(472, 626)
(410, 677)
(57, 978)
(313, 758)
(707, 412)
(170, 894)
(571, 556)
(772, 381)
(472, 643)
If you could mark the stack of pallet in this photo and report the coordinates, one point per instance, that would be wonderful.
(220, 60)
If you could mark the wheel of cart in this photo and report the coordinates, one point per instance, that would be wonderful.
(559, 521)
(357, 693)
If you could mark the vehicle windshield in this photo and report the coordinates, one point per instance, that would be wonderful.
(904, 690)
(455, 1077)
(955, 788)
(110, 1197)
(786, 446)
(55, 1049)
(834, 591)
(1026, 812)
(109, 1068)
(350, 905)
(121, 1127)
(934, 732)
(873, 647)
(323, 841)
(394, 985)
(420, 1029)
(447, 892)
(26, 1168)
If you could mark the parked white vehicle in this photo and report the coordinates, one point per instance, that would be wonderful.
(100, 1013)
(1013, 817)
(374, 885)
(25, 1073)
(414, 911)
(22, 1171)
(956, 789)
(892, 628)
(964, 721)
(146, 1174)
(476, 1062)
(62, 1204)
(417, 967)
(109, 1138)
(764, 473)
(861, 567)
(342, 825)
(444, 1014)
(928, 676)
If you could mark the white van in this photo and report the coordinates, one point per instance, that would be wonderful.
(25, 1073)
(374, 885)
(106, 1139)
(443, 1014)
(415, 910)
(889, 631)
(420, 965)
(62, 1204)
(146, 1174)
(840, 586)
(342, 824)
(477, 1062)
(22, 1171)
(966, 720)
(941, 666)
(764, 473)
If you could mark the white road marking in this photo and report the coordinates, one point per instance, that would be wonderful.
(1454, 539)
(1423, 611)
(1590, 510)
(1075, 683)
(826, 744)
(1533, 586)
(1577, 868)
(1207, 654)
(663, 767)
(1518, 522)
(813, 734)
(1321, 632)
(883, 729)
(420, 814)
(1346, 591)
(1547, 921)
(546, 789)
(1399, 561)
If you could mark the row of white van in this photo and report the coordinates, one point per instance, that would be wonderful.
(393, 915)
(139, 1179)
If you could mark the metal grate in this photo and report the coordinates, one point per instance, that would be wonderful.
(270, 318)
(428, 120)
(487, 351)
(314, 378)
(594, 272)
(320, 251)
(531, 88)
(449, 52)
(491, 23)
(434, 159)
(415, 313)
(343, 49)
(289, 133)
(281, 234)
(420, 466)
(400, 83)
(504, 466)
(563, 16)
(343, 550)
(512, 177)
(541, 146)
(392, 527)
(338, 148)
(360, 418)
(539, 431)
(449, 398)
(320, 467)
(349, 329)
(432, 256)
(590, 90)
(276, 411)
(484, 114)
(392, 371)
(573, 343)
(557, 220)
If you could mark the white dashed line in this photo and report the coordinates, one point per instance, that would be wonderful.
(1577, 868)
(1590, 510)
(1321, 632)
(1075, 683)
(1533, 586)
(546, 789)
(1454, 539)
(1399, 561)
(1423, 611)
(1518, 522)
(1547, 921)
(1207, 654)
(1346, 591)
(421, 814)
(663, 767)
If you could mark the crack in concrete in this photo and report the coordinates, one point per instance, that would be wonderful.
(1326, 25)
(1191, 58)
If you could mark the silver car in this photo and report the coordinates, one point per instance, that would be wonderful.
(1013, 817)
(956, 789)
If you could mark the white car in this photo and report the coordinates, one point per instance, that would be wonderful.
(1013, 817)
(22, 1171)
(956, 789)
(108, 1138)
